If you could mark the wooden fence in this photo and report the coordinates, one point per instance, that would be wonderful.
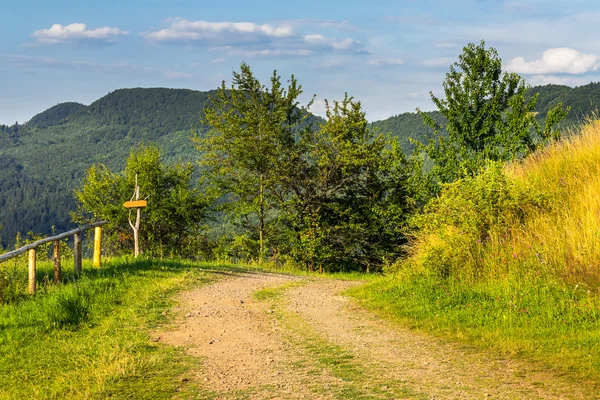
(77, 251)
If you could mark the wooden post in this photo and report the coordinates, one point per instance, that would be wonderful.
(78, 253)
(32, 271)
(136, 227)
(97, 246)
(56, 249)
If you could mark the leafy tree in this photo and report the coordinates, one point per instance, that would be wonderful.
(248, 147)
(172, 220)
(348, 195)
(487, 117)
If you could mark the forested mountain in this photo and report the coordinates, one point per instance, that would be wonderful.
(583, 100)
(43, 161)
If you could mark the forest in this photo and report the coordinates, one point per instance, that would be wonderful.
(47, 157)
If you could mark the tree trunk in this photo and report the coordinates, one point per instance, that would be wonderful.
(261, 221)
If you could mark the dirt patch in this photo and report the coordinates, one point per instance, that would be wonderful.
(239, 340)
(248, 352)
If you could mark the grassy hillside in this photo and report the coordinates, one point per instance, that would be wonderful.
(509, 259)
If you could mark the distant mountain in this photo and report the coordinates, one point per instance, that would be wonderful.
(43, 161)
(584, 102)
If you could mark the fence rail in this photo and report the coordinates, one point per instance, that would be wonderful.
(77, 251)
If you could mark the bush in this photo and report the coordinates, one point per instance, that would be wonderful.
(455, 228)
(535, 219)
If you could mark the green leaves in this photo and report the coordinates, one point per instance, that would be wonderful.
(172, 221)
(487, 117)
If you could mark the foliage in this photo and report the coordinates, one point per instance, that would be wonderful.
(487, 117)
(349, 195)
(468, 215)
(536, 218)
(333, 198)
(43, 161)
(253, 128)
(172, 220)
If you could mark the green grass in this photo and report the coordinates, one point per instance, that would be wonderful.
(90, 339)
(543, 321)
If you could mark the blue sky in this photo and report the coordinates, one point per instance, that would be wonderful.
(387, 54)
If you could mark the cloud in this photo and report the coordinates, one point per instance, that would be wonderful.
(385, 62)
(272, 52)
(343, 45)
(331, 63)
(322, 23)
(23, 62)
(255, 40)
(556, 61)
(218, 61)
(438, 62)
(183, 30)
(77, 33)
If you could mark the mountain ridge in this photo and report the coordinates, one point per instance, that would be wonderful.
(46, 159)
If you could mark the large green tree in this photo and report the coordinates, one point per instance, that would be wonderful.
(171, 223)
(254, 128)
(487, 117)
(348, 196)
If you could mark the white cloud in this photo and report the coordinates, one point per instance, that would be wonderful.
(322, 23)
(385, 62)
(438, 62)
(346, 45)
(183, 30)
(254, 40)
(556, 61)
(331, 63)
(77, 33)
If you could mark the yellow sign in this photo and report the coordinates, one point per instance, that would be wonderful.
(135, 204)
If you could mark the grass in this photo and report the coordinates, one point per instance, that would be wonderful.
(90, 339)
(547, 322)
(509, 260)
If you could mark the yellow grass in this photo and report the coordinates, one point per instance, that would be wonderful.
(560, 240)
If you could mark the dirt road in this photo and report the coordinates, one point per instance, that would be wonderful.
(268, 336)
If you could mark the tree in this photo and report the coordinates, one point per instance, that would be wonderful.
(487, 117)
(172, 220)
(348, 194)
(248, 147)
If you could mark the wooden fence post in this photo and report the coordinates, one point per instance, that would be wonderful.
(78, 253)
(97, 246)
(32, 271)
(56, 249)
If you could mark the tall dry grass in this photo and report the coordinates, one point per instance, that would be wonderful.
(534, 219)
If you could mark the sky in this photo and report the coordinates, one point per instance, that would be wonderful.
(389, 54)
